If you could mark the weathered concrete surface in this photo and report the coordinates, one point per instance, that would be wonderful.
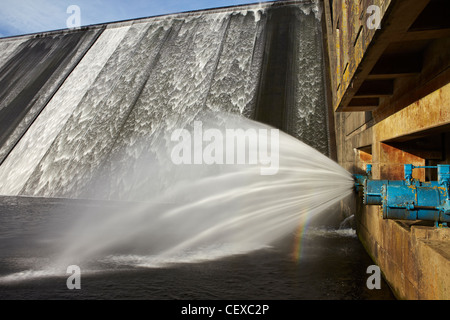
(415, 259)
(348, 40)
(369, 63)
(402, 74)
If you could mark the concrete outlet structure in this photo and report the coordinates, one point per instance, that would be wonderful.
(389, 87)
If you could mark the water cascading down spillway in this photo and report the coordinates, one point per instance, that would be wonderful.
(100, 127)
(409, 199)
(98, 112)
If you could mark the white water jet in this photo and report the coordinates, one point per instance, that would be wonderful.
(106, 135)
(209, 210)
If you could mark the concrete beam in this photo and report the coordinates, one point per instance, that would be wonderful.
(396, 23)
(396, 66)
(364, 102)
(425, 35)
(375, 89)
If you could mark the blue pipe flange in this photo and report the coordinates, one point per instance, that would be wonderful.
(409, 199)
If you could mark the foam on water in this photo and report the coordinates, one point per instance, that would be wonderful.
(207, 253)
(28, 275)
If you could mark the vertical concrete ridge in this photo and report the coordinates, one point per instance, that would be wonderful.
(274, 93)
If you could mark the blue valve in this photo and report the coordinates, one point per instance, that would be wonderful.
(409, 199)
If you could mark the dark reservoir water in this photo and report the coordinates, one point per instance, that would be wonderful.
(324, 263)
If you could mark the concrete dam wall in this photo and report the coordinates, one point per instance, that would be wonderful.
(73, 100)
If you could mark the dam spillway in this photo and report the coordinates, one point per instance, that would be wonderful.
(90, 106)
(72, 100)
